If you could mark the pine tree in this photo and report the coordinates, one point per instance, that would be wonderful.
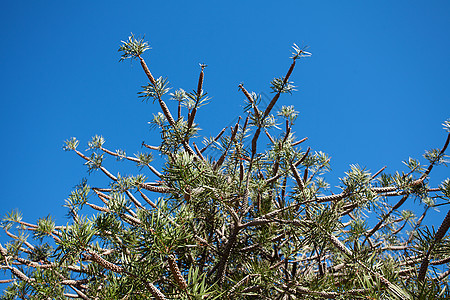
(243, 224)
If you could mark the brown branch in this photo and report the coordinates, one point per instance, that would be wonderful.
(118, 155)
(277, 95)
(299, 142)
(224, 154)
(20, 275)
(162, 104)
(104, 170)
(222, 264)
(414, 231)
(134, 159)
(155, 291)
(91, 255)
(157, 189)
(134, 200)
(32, 226)
(430, 167)
(443, 275)
(269, 108)
(437, 238)
(148, 200)
(303, 157)
(34, 264)
(80, 293)
(270, 137)
(297, 177)
(150, 147)
(199, 93)
(250, 99)
(199, 153)
(214, 140)
(328, 295)
(377, 173)
(441, 261)
(176, 272)
(99, 208)
(385, 217)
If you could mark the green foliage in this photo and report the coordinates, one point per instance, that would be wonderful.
(446, 125)
(280, 85)
(155, 91)
(71, 144)
(299, 52)
(133, 48)
(234, 223)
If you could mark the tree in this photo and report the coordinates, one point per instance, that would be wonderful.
(245, 224)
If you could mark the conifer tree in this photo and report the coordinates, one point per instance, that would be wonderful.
(255, 221)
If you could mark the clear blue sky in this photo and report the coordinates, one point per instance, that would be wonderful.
(375, 91)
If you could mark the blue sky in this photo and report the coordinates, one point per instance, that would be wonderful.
(374, 93)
